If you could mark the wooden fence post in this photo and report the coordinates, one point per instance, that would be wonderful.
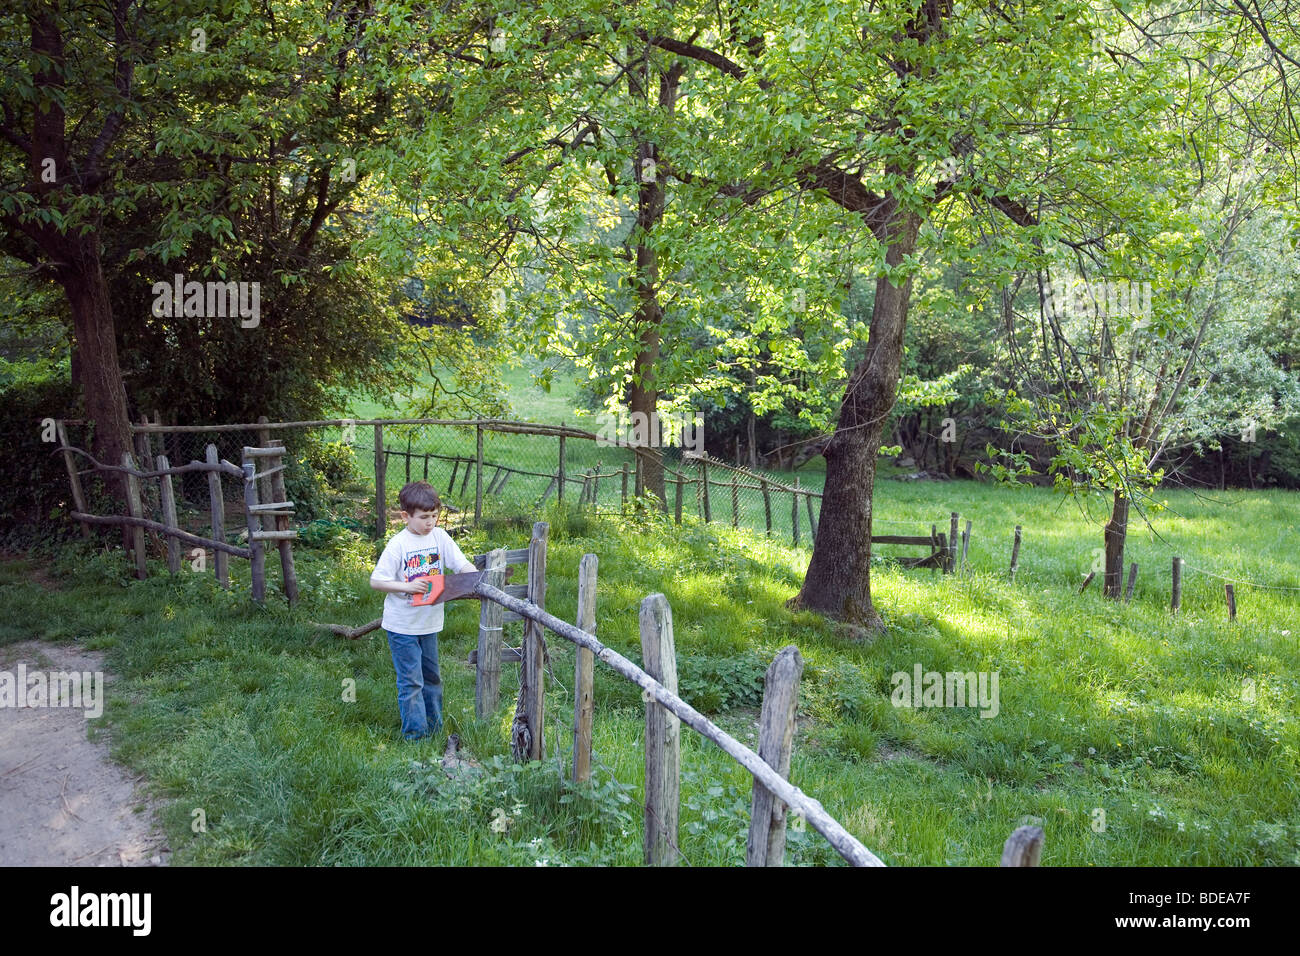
(735, 498)
(257, 549)
(662, 735)
(381, 493)
(288, 574)
(794, 513)
(1176, 598)
(965, 543)
(74, 479)
(1023, 847)
(478, 477)
(1132, 579)
(677, 508)
(150, 506)
(767, 505)
(1015, 555)
(625, 477)
(559, 491)
(704, 478)
(167, 496)
(766, 845)
(1087, 581)
(952, 544)
(137, 511)
(583, 669)
(266, 486)
(812, 518)
(526, 733)
(218, 504)
(1232, 602)
(487, 679)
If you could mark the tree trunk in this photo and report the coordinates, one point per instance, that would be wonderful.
(96, 345)
(1116, 530)
(838, 582)
(643, 393)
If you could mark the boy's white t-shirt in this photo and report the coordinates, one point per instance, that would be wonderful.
(406, 557)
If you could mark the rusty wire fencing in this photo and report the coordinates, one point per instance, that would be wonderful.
(350, 472)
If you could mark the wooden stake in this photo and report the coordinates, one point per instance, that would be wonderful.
(677, 508)
(218, 505)
(265, 489)
(257, 549)
(767, 505)
(560, 487)
(381, 493)
(704, 477)
(167, 496)
(626, 472)
(1232, 602)
(478, 478)
(952, 545)
(812, 519)
(526, 733)
(1023, 847)
(487, 680)
(766, 844)
(74, 479)
(794, 513)
(965, 543)
(137, 511)
(1087, 581)
(735, 492)
(583, 669)
(1132, 579)
(1176, 598)
(288, 574)
(662, 736)
(1015, 555)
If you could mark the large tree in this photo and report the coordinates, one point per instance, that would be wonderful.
(226, 143)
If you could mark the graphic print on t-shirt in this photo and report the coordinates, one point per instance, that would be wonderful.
(416, 564)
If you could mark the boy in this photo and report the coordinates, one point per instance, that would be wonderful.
(421, 548)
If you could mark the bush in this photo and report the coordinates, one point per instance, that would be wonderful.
(336, 461)
(35, 496)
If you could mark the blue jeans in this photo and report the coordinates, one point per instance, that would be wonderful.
(419, 686)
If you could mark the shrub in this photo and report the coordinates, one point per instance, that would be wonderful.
(34, 492)
(336, 461)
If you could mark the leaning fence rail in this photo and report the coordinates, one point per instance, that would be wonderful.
(810, 809)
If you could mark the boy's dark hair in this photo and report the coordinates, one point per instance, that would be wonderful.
(418, 496)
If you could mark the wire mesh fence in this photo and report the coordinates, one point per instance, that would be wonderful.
(483, 470)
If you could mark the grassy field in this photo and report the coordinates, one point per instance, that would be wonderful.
(1132, 736)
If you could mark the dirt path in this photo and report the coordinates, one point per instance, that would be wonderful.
(63, 802)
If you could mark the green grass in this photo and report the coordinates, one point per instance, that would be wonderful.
(240, 711)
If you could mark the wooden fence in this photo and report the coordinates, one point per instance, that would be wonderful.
(264, 500)
(492, 478)
(773, 795)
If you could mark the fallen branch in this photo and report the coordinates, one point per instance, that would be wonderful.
(225, 467)
(163, 529)
(351, 633)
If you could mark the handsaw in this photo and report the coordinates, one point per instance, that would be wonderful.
(453, 587)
